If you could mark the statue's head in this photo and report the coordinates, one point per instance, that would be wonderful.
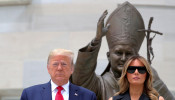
(124, 39)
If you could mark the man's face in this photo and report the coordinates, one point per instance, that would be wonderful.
(60, 69)
(118, 56)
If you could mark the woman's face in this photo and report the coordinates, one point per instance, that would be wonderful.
(136, 73)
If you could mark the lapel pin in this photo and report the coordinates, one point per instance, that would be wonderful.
(76, 94)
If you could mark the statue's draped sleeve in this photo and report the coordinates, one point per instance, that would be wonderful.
(161, 88)
(84, 71)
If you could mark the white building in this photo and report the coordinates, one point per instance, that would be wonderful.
(29, 30)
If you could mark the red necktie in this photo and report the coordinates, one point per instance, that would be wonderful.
(59, 96)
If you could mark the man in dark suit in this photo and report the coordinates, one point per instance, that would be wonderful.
(60, 68)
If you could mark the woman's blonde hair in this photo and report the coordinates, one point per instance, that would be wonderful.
(148, 84)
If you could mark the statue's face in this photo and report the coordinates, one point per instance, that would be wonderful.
(118, 55)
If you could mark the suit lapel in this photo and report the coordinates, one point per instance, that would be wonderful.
(74, 92)
(46, 91)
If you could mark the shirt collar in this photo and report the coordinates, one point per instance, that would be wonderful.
(65, 86)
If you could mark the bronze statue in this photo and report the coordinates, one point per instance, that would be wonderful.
(124, 40)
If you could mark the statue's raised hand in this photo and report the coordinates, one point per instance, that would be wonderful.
(101, 30)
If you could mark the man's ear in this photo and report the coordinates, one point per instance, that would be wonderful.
(108, 56)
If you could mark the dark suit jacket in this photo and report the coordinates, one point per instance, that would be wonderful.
(43, 92)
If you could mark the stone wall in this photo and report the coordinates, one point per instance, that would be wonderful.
(29, 32)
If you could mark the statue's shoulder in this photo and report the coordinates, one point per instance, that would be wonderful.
(107, 75)
(155, 75)
(110, 80)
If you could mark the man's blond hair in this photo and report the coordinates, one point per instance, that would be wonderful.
(64, 52)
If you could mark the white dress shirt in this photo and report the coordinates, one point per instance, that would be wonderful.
(64, 92)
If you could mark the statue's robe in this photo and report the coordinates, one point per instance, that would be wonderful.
(106, 85)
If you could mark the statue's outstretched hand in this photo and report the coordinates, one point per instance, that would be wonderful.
(101, 30)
